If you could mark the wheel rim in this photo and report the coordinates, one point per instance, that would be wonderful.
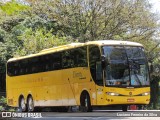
(22, 104)
(86, 102)
(30, 104)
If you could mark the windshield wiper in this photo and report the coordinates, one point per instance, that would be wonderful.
(139, 81)
(134, 67)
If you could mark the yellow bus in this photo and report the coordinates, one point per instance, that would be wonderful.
(97, 73)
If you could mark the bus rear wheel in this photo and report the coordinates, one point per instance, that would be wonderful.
(85, 104)
(30, 104)
(22, 104)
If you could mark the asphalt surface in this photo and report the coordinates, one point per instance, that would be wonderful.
(96, 115)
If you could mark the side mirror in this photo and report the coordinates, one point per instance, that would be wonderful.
(103, 59)
(150, 66)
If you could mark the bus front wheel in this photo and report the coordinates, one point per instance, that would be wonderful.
(85, 104)
(22, 104)
(124, 108)
(30, 104)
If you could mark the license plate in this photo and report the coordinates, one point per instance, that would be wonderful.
(130, 100)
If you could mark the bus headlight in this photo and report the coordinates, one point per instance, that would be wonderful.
(146, 93)
(112, 94)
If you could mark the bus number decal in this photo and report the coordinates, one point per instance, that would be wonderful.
(78, 75)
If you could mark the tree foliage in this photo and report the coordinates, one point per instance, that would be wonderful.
(13, 7)
(88, 20)
(104, 19)
(36, 40)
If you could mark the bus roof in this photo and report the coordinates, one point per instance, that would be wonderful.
(114, 42)
(75, 45)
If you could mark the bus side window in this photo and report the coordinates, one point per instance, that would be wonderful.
(99, 77)
(21, 67)
(94, 57)
(31, 65)
(24, 66)
(82, 59)
(47, 62)
(79, 56)
(41, 63)
(56, 61)
(67, 59)
(10, 70)
(16, 67)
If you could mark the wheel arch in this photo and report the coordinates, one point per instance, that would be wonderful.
(28, 105)
(83, 93)
(29, 95)
(85, 101)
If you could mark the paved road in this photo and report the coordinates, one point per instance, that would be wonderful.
(96, 115)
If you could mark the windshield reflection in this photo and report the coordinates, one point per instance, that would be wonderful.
(126, 66)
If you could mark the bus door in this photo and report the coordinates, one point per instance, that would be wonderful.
(96, 73)
(99, 83)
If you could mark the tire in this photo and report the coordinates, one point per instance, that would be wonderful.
(22, 104)
(30, 104)
(124, 108)
(85, 104)
(65, 109)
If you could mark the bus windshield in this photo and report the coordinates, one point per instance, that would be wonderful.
(126, 66)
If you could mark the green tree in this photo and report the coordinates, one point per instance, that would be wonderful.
(12, 7)
(88, 20)
(11, 14)
(35, 41)
(104, 19)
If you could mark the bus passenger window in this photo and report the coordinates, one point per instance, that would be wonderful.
(79, 56)
(10, 70)
(16, 67)
(67, 60)
(56, 61)
(47, 67)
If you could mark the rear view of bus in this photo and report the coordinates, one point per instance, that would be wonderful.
(126, 76)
